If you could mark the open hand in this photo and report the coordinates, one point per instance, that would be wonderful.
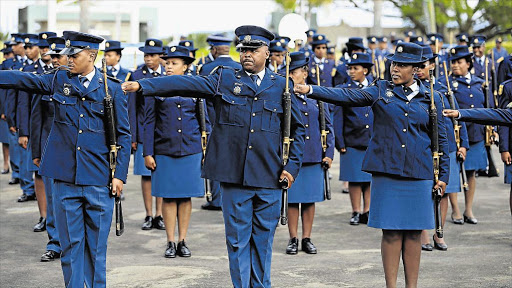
(130, 86)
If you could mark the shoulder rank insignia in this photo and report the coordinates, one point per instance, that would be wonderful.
(500, 91)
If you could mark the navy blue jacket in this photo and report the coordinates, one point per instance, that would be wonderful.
(11, 96)
(352, 125)
(342, 76)
(136, 105)
(470, 96)
(5, 65)
(207, 68)
(246, 143)
(479, 70)
(76, 151)
(487, 116)
(313, 152)
(123, 74)
(171, 126)
(327, 74)
(400, 143)
(505, 98)
(505, 69)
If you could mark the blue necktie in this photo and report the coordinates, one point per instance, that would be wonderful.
(254, 78)
(82, 79)
(113, 69)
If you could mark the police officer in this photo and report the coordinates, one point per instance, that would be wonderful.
(309, 186)
(456, 153)
(152, 49)
(352, 127)
(113, 54)
(4, 128)
(172, 151)
(76, 156)
(244, 151)
(354, 45)
(220, 47)
(401, 199)
(498, 51)
(277, 53)
(308, 48)
(480, 60)
(23, 113)
(467, 89)
(210, 57)
(436, 42)
(382, 49)
(462, 39)
(326, 67)
(189, 44)
(41, 120)
(331, 53)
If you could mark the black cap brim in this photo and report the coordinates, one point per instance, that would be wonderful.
(71, 51)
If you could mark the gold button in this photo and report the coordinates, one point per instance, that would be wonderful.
(179, 106)
(307, 137)
(304, 103)
(78, 148)
(469, 86)
(255, 98)
(252, 130)
(403, 145)
(231, 102)
(306, 113)
(406, 114)
(63, 101)
(81, 115)
(367, 126)
(366, 115)
(472, 106)
(83, 98)
(51, 99)
(250, 147)
(253, 114)
(405, 130)
(179, 130)
(80, 131)
(407, 102)
(471, 95)
(307, 125)
(179, 118)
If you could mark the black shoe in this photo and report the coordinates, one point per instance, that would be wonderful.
(158, 223)
(49, 255)
(170, 252)
(208, 206)
(307, 246)
(344, 191)
(182, 249)
(5, 171)
(122, 196)
(427, 247)
(354, 220)
(293, 246)
(14, 181)
(439, 246)
(469, 220)
(148, 223)
(459, 221)
(24, 198)
(41, 225)
(363, 218)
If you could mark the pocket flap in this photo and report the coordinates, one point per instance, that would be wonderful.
(234, 100)
(272, 106)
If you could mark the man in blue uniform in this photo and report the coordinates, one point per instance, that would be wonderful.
(354, 45)
(326, 67)
(462, 38)
(244, 152)
(480, 60)
(113, 55)
(220, 46)
(76, 156)
(277, 52)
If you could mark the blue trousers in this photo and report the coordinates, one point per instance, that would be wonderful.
(216, 194)
(26, 171)
(250, 218)
(53, 235)
(14, 154)
(83, 217)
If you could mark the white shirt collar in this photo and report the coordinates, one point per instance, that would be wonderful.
(415, 90)
(158, 70)
(90, 75)
(468, 77)
(44, 64)
(318, 60)
(260, 74)
(365, 83)
(482, 59)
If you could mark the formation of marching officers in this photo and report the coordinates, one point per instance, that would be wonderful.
(377, 117)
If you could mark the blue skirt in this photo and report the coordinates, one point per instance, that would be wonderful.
(177, 177)
(351, 163)
(309, 185)
(401, 203)
(454, 180)
(4, 132)
(508, 174)
(476, 158)
(138, 163)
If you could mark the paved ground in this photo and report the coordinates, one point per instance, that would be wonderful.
(349, 256)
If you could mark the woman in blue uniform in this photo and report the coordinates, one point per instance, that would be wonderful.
(399, 157)
(172, 151)
(456, 153)
(353, 126)
(309, 185)
(467, 89)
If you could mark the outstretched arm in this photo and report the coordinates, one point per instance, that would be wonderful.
(485, 116)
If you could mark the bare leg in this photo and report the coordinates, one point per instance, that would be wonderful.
(184, 212)
(411, 255)
(293, 219)
(366, 197)
(158, 210)
(390, 247)
(355, 191)
(307, 214)
(40, 195)
(425, 238)
(169, 209)
(145, 183)
(455, 206)
(5, 150)
(470, 194)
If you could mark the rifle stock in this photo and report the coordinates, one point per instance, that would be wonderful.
(436, 192)
(287, 107)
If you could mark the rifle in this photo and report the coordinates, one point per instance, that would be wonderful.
(489, 131)
(436, 193)
(437, 58)
(494, 79)
(374, 68)
(323, 138)
(113, 148)
(456, 131)
(201, 115)
(287, 120)
(275, 66)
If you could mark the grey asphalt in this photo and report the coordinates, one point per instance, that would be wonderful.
(348, 256)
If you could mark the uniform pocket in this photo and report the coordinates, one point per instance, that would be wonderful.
(270, 116)
(96, 120)
(232, 110)
(65, 110)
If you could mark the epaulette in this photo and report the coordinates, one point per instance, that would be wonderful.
(114, 79)
(51, 71)
(500, 91)
(500, 59)
(222, 67)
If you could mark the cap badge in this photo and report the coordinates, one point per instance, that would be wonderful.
(53, 46)
(475, 41)
(420, 39)
(237, 90)
(409, 33)
(433, 38)
(400, 49)
(499, 39)
(13, 39)
(453, 51)
(186, 44)
(374, 39)
(385, 39)
(27, 40)
(44, 36)
(278, 44)
(107, 44)
(68, 43)
(354, 56)
(173, 49)
(151, 43)
(283, 40)
(247, 38)
(310, 33)
(320, 37)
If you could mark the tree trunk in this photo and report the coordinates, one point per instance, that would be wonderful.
(84, 16)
